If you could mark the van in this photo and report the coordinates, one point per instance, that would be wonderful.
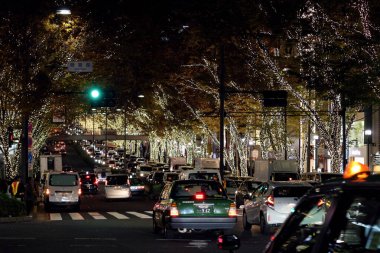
(62, 189)
(208, 174)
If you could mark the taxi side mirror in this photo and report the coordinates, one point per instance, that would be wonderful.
(228, 242)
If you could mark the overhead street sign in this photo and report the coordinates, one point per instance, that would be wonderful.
(80, 66)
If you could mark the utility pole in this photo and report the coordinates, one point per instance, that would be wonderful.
(222, 94)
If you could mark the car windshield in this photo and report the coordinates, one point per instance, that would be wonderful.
(290, 191)
(146, 168)
(117, 180)
(252, 185)
(87, 178)
(283, 176)
(189, 189)
(204, 175)
(63, 180)
(135, 181)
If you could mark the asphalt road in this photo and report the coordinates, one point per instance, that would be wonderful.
(116, 226)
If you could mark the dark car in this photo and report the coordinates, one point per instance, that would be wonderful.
(193, 205)
(334, 217)
(245, 190)
(89, 183)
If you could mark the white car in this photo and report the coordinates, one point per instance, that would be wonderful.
(271, 203)
(62, 189)
(117, 187)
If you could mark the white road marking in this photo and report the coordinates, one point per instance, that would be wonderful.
(55, 216)
(140, 215)
(118, 215)
(97, 216)
(150, 212)
(76, 216)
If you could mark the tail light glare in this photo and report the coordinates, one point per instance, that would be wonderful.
(174, 210)
(270, 200)
(232, 211)
(199, 196)
(79, 191)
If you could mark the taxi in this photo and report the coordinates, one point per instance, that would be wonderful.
(193, 205)
(340, 216)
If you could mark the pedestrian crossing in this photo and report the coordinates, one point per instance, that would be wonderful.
(103, 215)
(100, 215)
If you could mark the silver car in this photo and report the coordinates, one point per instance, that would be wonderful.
(117, 187)
(271, 203)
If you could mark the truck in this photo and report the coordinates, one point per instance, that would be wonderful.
(206, 163)
(50, 163)
(276, 170)
(174, 162)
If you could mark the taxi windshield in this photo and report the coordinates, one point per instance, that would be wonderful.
(189, 189)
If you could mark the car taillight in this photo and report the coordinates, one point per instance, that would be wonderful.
(232, 210)
(199, 196)
(174, 210)
(270, 200)
(47, 191)
(79, 191)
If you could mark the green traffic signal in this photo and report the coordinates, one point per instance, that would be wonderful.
(95, 93)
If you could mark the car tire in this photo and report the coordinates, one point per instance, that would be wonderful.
(246, 225)
(264, 229)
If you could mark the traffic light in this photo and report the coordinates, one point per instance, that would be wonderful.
(10, 136)
(102, 97)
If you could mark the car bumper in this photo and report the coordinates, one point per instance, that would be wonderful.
(207, 223)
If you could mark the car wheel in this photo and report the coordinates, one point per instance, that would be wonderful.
(246, 225)
(263, 226)
(156, 229)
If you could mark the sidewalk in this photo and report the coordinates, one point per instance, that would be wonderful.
(25, 218)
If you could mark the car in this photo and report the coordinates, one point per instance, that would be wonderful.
(320, 177)
(336, 216)
(170, 176)
(231, 187)
(245, 190)
(271, 203)
(193, 205)
(143, 171)
(117, 187)
(208, 174)
(62, 189)
(89, 183)
(137, 186)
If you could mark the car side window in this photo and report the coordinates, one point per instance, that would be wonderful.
(361, 229)
(304, 225)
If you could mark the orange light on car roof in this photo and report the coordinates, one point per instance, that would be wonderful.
(356, 170)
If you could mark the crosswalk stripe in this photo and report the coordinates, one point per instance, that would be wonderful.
(76, 216)
(149, 212)
(55, 216)
(140, 215)
(118, 215)
(97, 216)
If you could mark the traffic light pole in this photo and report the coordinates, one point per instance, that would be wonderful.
(222, 94)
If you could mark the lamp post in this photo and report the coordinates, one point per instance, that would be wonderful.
(368, 133)
(316, 138)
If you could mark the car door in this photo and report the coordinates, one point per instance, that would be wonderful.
(253, 204)
(162, 206)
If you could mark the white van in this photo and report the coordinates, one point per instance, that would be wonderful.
(208, 174)
(62, 189)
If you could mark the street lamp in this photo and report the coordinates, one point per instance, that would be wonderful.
(63, 11)
(368, 133)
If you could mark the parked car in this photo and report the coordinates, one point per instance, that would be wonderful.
(271, 203)
(62, 189)
(245, 191)
(339, 216)
(89, 183)
(188, 205)
(117, 187)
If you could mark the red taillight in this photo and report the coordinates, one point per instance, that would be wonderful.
(232, 210)
(174, 210)
(220, 239)
(270, 201)
(87, 176)
(320, 203)
(199, 196)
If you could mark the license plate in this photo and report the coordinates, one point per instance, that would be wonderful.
(204, 209)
